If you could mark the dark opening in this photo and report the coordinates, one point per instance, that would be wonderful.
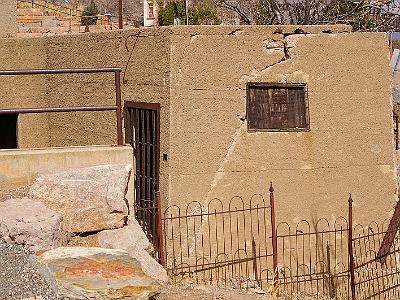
(8, 131)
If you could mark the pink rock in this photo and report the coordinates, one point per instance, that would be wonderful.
(89, 199)
(96, 273)
(30, 223)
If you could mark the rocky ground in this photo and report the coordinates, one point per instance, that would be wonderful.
(22, 277)
(20, 274)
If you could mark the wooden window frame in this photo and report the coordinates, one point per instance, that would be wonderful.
(250, 85)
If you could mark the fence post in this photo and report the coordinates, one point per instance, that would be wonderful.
(274, 237)
(160, 236)
(254, 248)
(331, 284)
(350, 250)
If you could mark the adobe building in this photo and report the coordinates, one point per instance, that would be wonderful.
(309, 108)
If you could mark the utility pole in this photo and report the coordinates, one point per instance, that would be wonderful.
(187, 12)
(120, 20)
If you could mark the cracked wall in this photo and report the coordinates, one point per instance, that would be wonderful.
(198, 74)
(349, 147)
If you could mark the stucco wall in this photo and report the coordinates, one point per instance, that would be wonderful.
(143, 55)
(25, 91)
(349, 148)
(198, 74)
(8, 18)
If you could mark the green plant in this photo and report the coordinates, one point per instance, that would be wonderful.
(201, 14)
(172, 10)
(89, 14)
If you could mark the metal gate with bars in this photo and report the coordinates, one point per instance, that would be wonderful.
(142, 131)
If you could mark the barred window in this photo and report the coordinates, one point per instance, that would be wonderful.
(277, 107)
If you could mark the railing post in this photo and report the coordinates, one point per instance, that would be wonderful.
(120, 17)
(350, 250)
(119, 106)
(274, 236)
(331, 284)
(254, 249)
(160, 235)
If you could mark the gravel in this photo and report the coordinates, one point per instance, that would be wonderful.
(21, 276)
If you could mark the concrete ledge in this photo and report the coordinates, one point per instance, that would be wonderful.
(18, 168)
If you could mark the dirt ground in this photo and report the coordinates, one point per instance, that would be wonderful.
(201, 292)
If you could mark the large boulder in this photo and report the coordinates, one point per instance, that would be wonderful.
(132, 239)
(96, 273)
(89, 199)
(30, 223)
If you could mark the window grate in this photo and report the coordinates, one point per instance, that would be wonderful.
(273, 107)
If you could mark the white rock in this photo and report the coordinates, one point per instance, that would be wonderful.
(30, 223)
(89, 199)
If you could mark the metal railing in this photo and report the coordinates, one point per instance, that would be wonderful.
(118, 101)
(237, 244)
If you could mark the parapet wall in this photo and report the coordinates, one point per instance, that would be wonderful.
(8, 18)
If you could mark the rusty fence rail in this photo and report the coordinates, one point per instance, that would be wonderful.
(237, 244)
(118, 101)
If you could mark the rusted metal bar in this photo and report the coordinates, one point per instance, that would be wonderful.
(331, 284)
(58, 71)
(254, 249)
(120, 17)
(274, 236)
(6, 111)
(160, 232)
(350, 250)
(390, 234)
(119, 106)
(396, 130)
(223, 212)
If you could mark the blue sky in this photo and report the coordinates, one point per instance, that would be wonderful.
(396, 35)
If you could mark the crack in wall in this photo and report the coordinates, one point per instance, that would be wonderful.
(220, 173)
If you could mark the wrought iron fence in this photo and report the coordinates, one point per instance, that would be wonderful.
(375, 278)
(313, 258)
(237, 244)
(218, 243)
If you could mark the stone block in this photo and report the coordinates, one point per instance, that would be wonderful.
(89, 199)
(96, 273)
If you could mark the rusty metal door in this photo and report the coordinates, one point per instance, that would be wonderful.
(142, 131)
